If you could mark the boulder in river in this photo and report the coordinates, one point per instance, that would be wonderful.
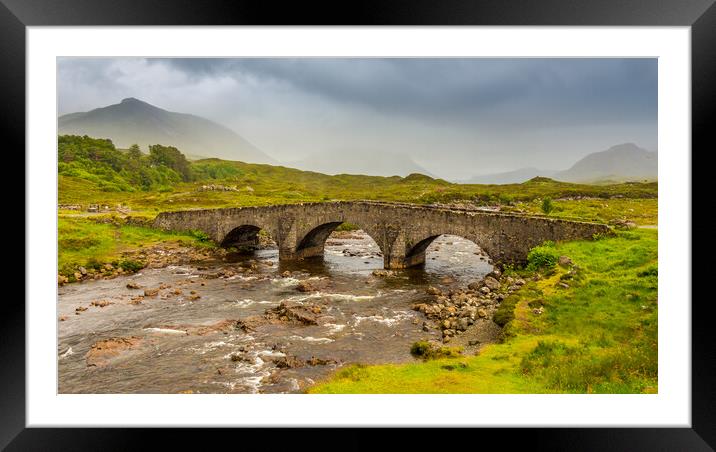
(103, 351)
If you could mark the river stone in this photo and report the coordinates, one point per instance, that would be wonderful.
(462, 324)
(475, 285)
(492, 283)
(485, 290)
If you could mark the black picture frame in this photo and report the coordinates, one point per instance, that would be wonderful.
(700, 15)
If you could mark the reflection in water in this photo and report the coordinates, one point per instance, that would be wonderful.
(182, 345)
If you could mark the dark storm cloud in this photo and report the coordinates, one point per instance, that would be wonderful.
(542, 91)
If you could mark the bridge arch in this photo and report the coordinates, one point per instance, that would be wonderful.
(416, 255)
(244, 237)
(313, 243)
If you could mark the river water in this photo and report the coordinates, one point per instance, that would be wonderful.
(180, 344)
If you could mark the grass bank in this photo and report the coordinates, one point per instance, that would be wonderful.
(598, 335)
(93, 242)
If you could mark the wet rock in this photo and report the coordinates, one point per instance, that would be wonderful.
(203, 330)
(101, 303)
(475, 285)
(177, 292)
(78, 276)
(194, 297)
(61, 279)
(305, 286)
(564, 261)
(383, 273)
(102, 352)
(62, 318)
(288, 362)
(482, 313)
(82, 270)
(236, 357)
(286, 274)
(320, 362)
(133, 285)
(492, 283)
(136, 300)
(495, 273)
(433, 291)
(485, 290)
(79, 309)
(289, 311)
(151, 292)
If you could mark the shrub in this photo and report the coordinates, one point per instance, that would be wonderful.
(544, 256)
(427, 350)
(131, 266)
(547, 206)
(201, 236)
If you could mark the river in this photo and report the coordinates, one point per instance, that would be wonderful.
(184, 339)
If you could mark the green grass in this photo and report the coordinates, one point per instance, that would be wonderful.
(642, 211)
(89, 243)
(597, 336)
(265, 185)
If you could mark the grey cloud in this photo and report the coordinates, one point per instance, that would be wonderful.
(543, 90)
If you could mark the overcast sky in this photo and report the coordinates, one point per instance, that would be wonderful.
(455, 117)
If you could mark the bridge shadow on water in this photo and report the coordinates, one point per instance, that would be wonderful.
(449, 259)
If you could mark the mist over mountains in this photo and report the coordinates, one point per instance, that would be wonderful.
(354, 161)
(620, 163)
(133, 121)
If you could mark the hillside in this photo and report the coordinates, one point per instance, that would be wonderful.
(133, 121)
(94, 171)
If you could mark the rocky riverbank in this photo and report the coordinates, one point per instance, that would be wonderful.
(471, 309)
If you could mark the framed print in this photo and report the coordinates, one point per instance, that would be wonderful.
(434, 216)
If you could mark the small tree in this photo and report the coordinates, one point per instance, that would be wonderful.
(547, 206)
(134, 152)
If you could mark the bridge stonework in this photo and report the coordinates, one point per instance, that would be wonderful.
(402, 231)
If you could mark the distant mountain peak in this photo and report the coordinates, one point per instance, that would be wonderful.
(625, 161)
(133, 121)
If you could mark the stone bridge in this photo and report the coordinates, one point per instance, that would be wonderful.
(402, 231)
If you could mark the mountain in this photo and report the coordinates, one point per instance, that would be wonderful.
(369, 163)
(509, 177)
(134, 121)
(624, 162)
